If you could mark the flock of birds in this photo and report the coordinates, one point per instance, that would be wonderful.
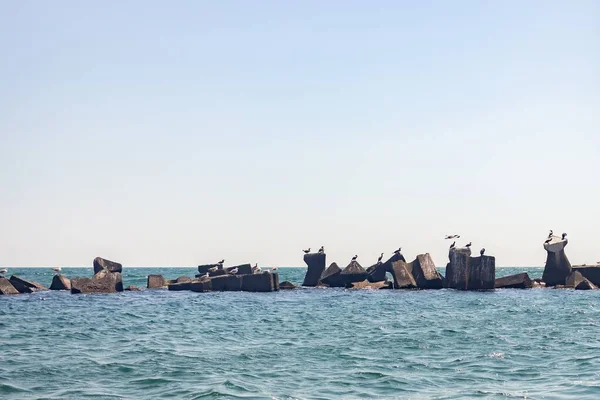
(322, 250)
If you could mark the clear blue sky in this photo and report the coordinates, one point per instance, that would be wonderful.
(178, 133)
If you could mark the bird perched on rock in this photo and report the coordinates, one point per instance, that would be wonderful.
(213, 269)
(482, 251)
(205, 276)
(551, 233)
(452, 245)
(452, 236)
(468, 244)
(380, 258)
(398, 251)
(56, 269)
(221, 262)
(274, 269)
(3, 271)
(233, 271)
(548, 240)
(564, 235)
(322, 249)
(306, 251)
(354, 258)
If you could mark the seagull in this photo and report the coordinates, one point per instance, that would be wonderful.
(3, 271)
(482, 251)
(233, 271)
(205, 276)
(273, 269)
(468, 244)
(452, 236)
(322, 249)
(306, 251)
(564, 235)
(452, 245)
(354, 258)
(379, 259)
(57, 269)
(213, 269)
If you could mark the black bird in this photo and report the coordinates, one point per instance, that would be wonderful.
(221, 262)
(380, 258)
(468, 244)
(482, 251)
(306, 251)
(548, 240)
(354, 258)
(550, 234)
(452, 236)
(452, 245)
(398, 251)
(322, 249)
(564, 235)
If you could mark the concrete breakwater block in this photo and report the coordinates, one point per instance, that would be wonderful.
(243, 269)
(558, 267)
(354, 272)
(203, 269)
(6, 287)
(60, 282)
(377, 272)
(590, 272)
(424, 272)
(517, 281)
(470, 273)
(203, 285)
(178, 286)
(403, 279)
(25, 286)
(316, 265)
(227, 283)
(102, 282)
(578, 281)
(265, 282)
(156, 282)
(332, 276)
(103, 264)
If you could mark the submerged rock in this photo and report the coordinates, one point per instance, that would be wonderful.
(369, 285)
(25, 286)
(403, 279)
(102, 264)
(6, 287)
(156, 282)
(517, 281)
(102, 282)
(133, 289)
(315, 266)
(332, 276)
(286, 285)
(558, 267)
(60, 282)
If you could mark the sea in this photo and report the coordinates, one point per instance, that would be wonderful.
(308, 343)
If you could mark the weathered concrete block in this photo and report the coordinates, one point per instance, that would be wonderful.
(470, 273)
(102, 282)
(226, 283)
(574, 279)
(287, 285)
(204, 285)
(558, 267)
(332, 276)
(181, 279)
(585, 285)
(179, 286)
(25, 286)
(353, 272)
(6, 287)
(517, 281)
(275, 276)
(589, 272)
(403, 279)
(258, 282)
(156, 282)
(102, 264)
(60, 282)
(377, 272)
(368, 285)
(243, 269)
(203, 269)
(424, 272)
(316, 265)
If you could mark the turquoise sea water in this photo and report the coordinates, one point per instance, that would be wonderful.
(307, 343)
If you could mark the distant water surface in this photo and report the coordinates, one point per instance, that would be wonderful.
(307, 343)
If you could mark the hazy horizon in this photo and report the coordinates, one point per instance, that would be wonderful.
(151, 133)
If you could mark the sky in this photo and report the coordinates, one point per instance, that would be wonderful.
(178, 133)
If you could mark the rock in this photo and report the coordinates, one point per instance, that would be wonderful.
(316, 265)
(574, 279)
(111, 266)
(203, 285)
(517, 281)
(354, 272)
(368, 285)
(203, 269)
(133, 289)
(558, 267)
(287, 285)
(25, 286)
(102, 282)
(243, 269)
(403, 279)
(332, 276)
(536, 284)
(6, 287)
(181, 279)
(585, 285)
(470, 273)
(60, 282)
(275, 276)
(589, 272)
(424, 272)
(226, 283)
(264, 282)
(156, 282)
(378, 272)
(179, 286)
